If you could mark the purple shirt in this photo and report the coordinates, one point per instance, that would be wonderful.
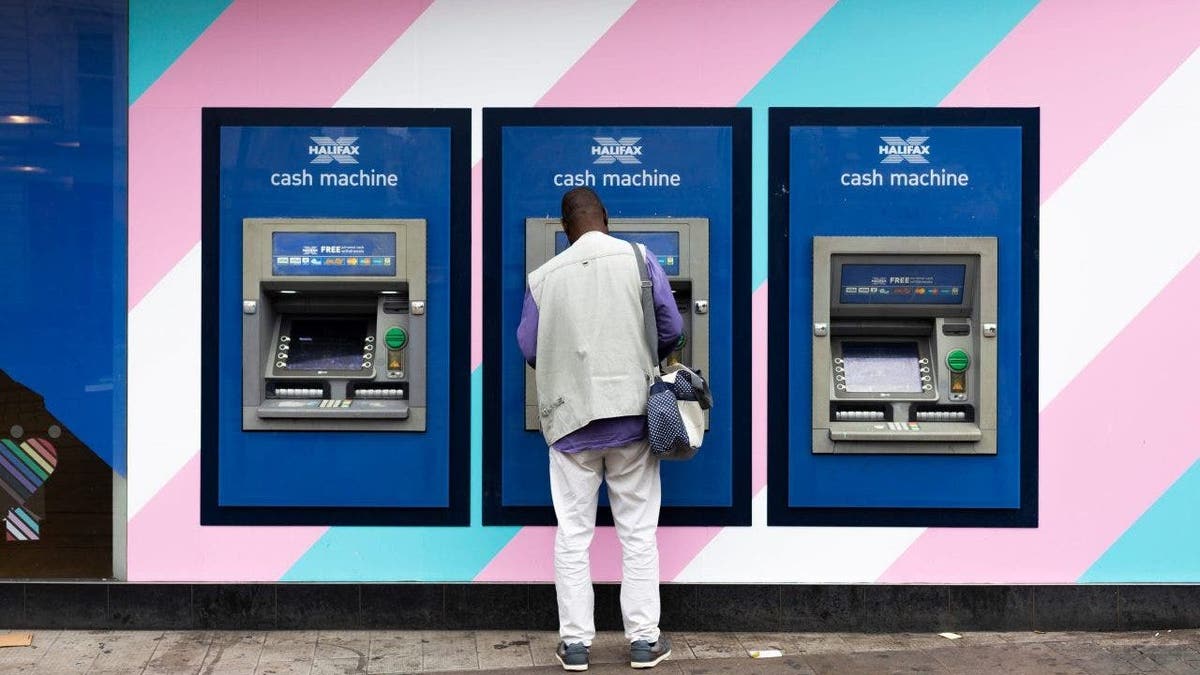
(615, 431)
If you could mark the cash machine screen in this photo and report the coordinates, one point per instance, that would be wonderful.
(873, 367)
(326, 254)
(922, 284)
(664, 246)
(327, 344)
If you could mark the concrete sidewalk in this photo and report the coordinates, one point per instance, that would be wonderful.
(319, 652)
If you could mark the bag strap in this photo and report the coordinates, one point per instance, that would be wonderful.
(651, 326)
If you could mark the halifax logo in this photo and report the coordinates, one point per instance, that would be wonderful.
(912, 149)
(328, 150)
(624, 150)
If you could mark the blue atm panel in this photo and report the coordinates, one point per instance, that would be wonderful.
(903, 279)
(691, 175)
(336, 316)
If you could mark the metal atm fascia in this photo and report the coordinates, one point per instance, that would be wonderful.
(934, 420)
(387, 391)
(690, 285)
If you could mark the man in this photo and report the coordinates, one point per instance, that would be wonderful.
(582, 329)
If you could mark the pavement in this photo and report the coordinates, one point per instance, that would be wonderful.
(320, 652)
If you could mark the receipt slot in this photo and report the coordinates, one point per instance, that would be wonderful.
(333, 324)
(681, 248)
(904, 345)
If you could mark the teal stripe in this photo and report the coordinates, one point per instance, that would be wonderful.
(159, 32)
(412, 553)
(1161, 546)
(875, 53)
(33, 526)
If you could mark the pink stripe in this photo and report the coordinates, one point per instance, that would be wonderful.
(257, 53)
(1088, 66)
(14, 521)
(48, 447)
(167, 543)
(664, 52)
(1099, 469)
(758, 391)
(45, 450)
(530, 554)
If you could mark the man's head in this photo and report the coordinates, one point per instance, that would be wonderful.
(582, 212)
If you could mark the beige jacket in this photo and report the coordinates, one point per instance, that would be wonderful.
(592, 358)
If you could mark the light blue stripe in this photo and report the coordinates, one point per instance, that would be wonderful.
(159, 32)
(412, 553)
(1161, 546)
(33, 526)
(875, 53)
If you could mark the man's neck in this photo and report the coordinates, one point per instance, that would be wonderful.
(591, 231)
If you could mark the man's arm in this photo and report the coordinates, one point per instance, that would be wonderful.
(528, 329)
(666, 314)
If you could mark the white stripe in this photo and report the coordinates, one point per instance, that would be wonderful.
(16, 532)
(470, 54)
(1119, 230)
(164, 380)
(760, 554)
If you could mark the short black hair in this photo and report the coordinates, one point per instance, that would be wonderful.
(580, 205)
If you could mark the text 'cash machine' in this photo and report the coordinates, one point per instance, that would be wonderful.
(333, 324)
(904, 345)
(681, 247)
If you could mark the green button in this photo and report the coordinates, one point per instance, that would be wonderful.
(396, 338)
(958, 360)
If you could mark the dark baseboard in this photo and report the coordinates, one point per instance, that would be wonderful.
(685, 607)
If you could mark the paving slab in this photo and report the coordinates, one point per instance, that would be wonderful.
(330, 652)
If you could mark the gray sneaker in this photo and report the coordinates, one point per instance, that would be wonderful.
(643, 654)
(572, 656)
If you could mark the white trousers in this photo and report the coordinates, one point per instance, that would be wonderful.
(635, 493)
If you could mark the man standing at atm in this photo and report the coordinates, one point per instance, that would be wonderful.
(582, 329)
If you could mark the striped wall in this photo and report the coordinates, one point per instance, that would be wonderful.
(1119, 88)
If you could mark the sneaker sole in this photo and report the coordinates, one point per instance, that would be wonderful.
(650, 664)
(572, 668)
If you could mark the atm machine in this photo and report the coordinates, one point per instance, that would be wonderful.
(904, 345)
(333, 324)
(681, 246)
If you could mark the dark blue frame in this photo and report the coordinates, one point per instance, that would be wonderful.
(458, 121)
(494, 122)
(779, 380)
